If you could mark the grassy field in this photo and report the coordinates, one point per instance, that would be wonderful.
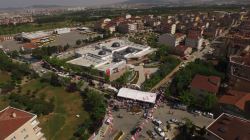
(4, 76)
(62, 123)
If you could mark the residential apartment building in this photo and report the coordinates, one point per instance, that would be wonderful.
(228, 127)
(127, 27)
(6, 20)
(16, 124)
(167, 28)
(194, 40)
(240, 65)
(182, 50)
(172, 40)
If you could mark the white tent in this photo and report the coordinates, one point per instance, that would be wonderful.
(137, 95)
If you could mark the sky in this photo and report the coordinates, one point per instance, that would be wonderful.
(24, 3)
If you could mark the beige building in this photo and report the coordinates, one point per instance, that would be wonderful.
(16, 124)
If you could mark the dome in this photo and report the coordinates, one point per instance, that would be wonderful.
(116, 44)
(101, 52)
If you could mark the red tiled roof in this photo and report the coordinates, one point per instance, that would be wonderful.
(207, 83)
(229, 127)
(236, 98)
(30, 46)
(10, 123)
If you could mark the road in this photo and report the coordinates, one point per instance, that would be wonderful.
(196, 55)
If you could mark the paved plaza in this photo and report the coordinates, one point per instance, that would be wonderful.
(130, 121)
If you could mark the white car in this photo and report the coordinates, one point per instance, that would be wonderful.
(197, 112)
(159, 131)
(165, 138)
(174, 120)
(157, 122)
(208, 114)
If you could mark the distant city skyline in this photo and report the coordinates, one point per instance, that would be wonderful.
(25, 3)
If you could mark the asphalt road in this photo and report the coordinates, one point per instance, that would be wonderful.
(192, 57)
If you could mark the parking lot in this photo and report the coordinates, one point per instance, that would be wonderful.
(165, 113)
(68, 38)
(128, 122)
(11, 45)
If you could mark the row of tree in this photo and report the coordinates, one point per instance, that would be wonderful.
(29, 103)
(16, 69)
(43, 52)
(95, 105)
(165, 68)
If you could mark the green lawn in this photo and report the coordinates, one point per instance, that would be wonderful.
(4, 76)
(62, 123)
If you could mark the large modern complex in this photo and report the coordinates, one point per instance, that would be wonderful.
(111, 56)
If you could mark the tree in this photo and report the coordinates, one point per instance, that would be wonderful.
(66, 47)
(72, 87)
(187, 98)
(14, 54)
(54, 80)
(78, 42)
(202, 131)
(95, 104)
(168, 126)
(210, 100)
(167, 92)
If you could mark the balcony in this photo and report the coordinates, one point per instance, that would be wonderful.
(35, 122)
(37, 129)
(39, 134)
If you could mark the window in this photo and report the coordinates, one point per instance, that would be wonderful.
(24, 130)
(14, 138)
(26, 137)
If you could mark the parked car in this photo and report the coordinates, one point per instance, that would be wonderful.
(152, 134)
(137, 129)
(159, 131)
(157, 122)
(165, 138)
(196, 112)
(208, 114)
(180, 106)
(174, 120)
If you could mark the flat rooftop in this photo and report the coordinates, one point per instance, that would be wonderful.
(87, 61)
(137, 95)
(102, 55)
(35, 35)
(229, 127)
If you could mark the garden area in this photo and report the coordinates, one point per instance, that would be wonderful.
(165, 68)
(62, 122)
(180, 85)
(165, 61)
